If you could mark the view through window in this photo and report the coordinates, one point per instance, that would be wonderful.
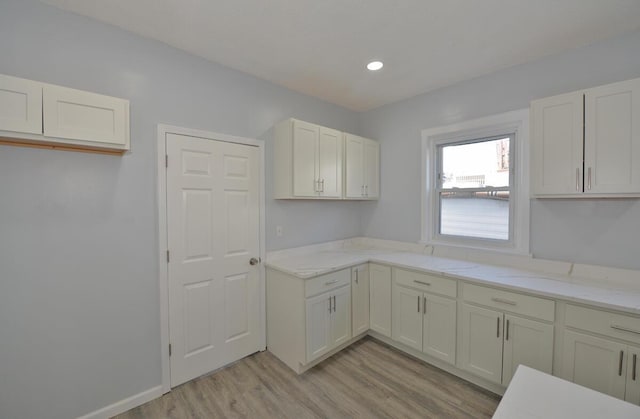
(474, 188)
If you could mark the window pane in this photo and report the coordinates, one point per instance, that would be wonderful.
(475, 214)
(476, 165)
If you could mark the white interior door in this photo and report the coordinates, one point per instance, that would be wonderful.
(213, 232)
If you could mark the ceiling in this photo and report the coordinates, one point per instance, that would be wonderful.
(321, 47)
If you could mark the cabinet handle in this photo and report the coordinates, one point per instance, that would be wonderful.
(506, 332)
(424, 305)
(334, 303)
(620, 363)
(498, 328)
(625, 329)
(331, 282)
(577, 179)
(589, 179)
(329, 304)
(418, 304)
(356, 275)
(422, 283)
(500, 300)
(633, 370)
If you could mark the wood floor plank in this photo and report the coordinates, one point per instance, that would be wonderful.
(369, 379)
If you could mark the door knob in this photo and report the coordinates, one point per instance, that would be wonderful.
(253, 261)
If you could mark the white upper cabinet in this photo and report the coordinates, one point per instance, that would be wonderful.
(20, 105)
(587, 143)
(88, 117)
(362, 168)
(53, 115)
(308, 161)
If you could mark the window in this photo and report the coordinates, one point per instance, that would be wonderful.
(475, 192)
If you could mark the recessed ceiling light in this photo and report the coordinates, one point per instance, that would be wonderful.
(375, 65)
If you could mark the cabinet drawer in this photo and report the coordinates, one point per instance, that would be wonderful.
(510, 301)
(616, 325)
(425, 282)
(327, 282)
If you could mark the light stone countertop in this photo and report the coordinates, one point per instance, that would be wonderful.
(535, 395)
(563, 287)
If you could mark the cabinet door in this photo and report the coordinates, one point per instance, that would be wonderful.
(77, 115)
(360, 299)
(341, 316)
(526, 342)
(557, 144)
(380, 302)
(330, 163)
(371, 157)
(305, 155)
(632, 393)
(612, 138)
(20, 105)
(594, 363)
(318, 324)
(481, 350)
(354, 166)
(439, 333)
(407, 316)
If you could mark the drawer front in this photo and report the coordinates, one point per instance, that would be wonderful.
(536, 307)
(616, 325)
(425, 282)
(327, 282)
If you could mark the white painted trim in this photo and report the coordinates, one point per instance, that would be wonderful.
(163, 243)
(514, 121)
(125, 404)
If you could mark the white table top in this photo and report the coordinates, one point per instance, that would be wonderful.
(535, 395)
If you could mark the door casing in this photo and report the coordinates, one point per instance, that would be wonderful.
(161, 175)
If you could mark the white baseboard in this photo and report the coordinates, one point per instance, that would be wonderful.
(125, 404)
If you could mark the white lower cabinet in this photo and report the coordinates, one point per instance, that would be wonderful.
(380, 299)
(494, 343)
(328, 321)
(604, 363)
(425, 322)
(360, 299)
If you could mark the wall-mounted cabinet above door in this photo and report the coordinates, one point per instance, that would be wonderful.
(587, 143)
(43, 114)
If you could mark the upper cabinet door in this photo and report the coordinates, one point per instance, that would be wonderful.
(305, 156)
(86, 117)
(330, 163)
(20, 105)
(371, 169)
(612, 138)
(354, 168)
(557, 145)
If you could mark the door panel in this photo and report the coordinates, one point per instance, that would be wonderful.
(20, 105)
(557, 144)
(305, 152)
(318, 310)
(439, 334)
(330, 162)
(213, 231)
(526, 342)
(407, 317)
(354, 169)
(612, 138)
(594, 363)
(632, 393)
(360, 299)
(380, 302)
(482, 342)
(341, 317)
(371, 168)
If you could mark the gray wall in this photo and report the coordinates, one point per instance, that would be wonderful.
(79, 314)
(588, 231)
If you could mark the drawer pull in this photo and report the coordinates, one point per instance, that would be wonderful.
(422, 282)
(625, 329)
(500, 300)
(620, 364)
(331, 282)
(633, 371)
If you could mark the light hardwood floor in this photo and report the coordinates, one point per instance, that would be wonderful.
(369, 379)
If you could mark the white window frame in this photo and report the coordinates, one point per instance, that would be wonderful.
(514, 122)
